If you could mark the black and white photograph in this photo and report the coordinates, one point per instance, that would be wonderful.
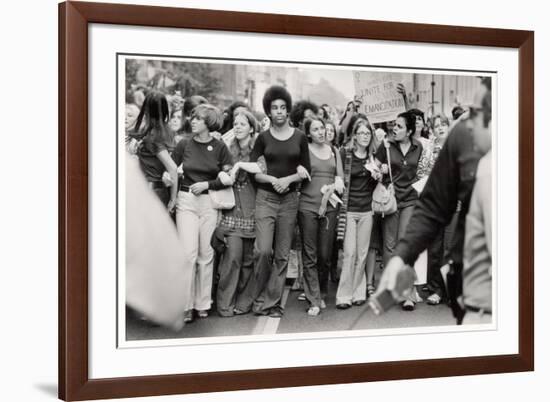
(265, 201)
(258, 199)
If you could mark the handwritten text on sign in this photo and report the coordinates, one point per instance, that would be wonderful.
(378, 93)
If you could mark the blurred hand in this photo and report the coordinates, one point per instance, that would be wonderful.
(330, 188)
(401, 90)
(199, 188)
(171, 206)
(225, 179)
(394, 281)
(303, 173)
(339, 185)
(234, 170)
(133, 146)
(384, 168)
(376, 175)
(167, 179)
(281, 185)
(464, 116)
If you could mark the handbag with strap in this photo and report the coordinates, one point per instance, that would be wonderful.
(222, 199)
(383, 198)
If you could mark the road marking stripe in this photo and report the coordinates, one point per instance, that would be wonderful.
(260, 325)
(269, 325)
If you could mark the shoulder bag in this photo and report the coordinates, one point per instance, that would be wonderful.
(383, 198)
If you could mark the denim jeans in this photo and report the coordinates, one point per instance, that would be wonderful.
(275, 223)
(236, 281)
(353, 283)
(196, 222)
(317, 240)
(393, 229)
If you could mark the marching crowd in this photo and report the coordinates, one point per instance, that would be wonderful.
(245, 187)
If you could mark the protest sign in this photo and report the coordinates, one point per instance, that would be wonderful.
(378, 93)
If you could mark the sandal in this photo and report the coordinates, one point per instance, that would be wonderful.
(188, 317)
(302, 297)
(314, 311)
(408, 305)
(202, 313)
(276, 312)
(370, 290)
(434, 299)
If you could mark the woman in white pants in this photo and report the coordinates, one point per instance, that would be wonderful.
(205, 161)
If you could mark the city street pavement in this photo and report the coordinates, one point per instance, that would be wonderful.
(295, 320)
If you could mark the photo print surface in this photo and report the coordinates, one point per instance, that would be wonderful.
(281, 200)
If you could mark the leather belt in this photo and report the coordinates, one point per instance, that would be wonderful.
(187, 189)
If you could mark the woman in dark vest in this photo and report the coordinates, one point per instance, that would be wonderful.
(405, 152)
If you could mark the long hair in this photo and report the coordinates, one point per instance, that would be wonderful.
(345, 136)
(373, 144)
(346, 112)
(417, 112)
(156, 113)
(324, 111)
(307, 126)
(229, 115)
(172, 113)
(239, 154)
(334, 141)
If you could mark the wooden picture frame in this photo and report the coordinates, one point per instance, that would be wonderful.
(74, 381)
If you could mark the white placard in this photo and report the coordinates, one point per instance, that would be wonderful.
(380, 100)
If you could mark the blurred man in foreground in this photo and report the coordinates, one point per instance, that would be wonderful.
(449, 187)
(477, 274)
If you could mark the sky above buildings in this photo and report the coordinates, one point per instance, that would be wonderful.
(339, 79)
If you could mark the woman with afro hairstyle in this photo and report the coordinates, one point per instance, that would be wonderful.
(301, 111)
(286, 154)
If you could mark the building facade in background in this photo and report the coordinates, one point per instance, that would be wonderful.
(224, 83)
